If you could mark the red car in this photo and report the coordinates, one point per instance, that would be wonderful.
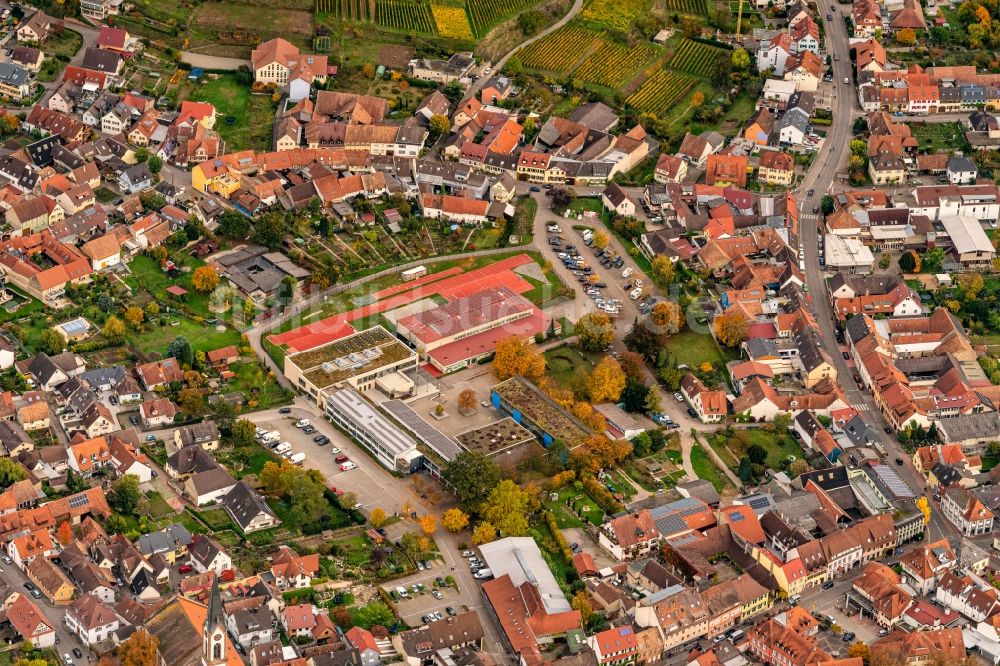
(185, 568)
(341, 459)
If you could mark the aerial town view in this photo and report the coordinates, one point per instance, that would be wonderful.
(499, 332)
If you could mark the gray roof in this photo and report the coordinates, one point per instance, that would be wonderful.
(167, 539)
(858, 431)
(203, 549)
(792, 118)
(101, 60)
(701, 489)
(13, 75)
(243, 505)
(103, 376)
(958, 164)
(211, 480)
(983, 427)
(669, 518)
(595, 115)
(758, 347)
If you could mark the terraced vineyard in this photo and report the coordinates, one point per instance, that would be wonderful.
(484, 14)
(661, 91)
(559, 51)
(693, 7)
(616, 14)
(404, 15)
(612, 65)
(352, 10)
(695, 58)
(451, 21)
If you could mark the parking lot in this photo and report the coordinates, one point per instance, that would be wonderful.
(420, 602)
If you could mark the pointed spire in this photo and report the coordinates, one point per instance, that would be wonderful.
(215, 618)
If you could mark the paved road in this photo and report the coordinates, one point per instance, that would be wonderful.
(821, 177)
(90, 36)
(573, 11)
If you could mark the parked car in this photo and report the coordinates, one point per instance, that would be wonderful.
(77, 653)
(185, 568)
(846, 355)
(678, 397)
(302, 423)
(348, 466)
(437, 595)
(899, 461)
(827, 585)
(340, 459)
(285, 410)
(693, 414)
(133, 419)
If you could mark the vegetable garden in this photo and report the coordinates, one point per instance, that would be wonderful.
(404, 15)
(695, 58)
(692, 7)
(613, 65)
(354, 10)
(451, 21)
(660, 91)
(615, 14)
(560, 51)
(484, 14)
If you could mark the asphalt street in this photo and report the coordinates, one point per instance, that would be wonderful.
(822, 178)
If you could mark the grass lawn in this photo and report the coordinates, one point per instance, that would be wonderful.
(253, 382)
(104, 195)
(355, 550)
(245, 120)
(64, 43)
(216, 519)
(622, 484)
(157, 507)
(940, 137)
(581, 204)
(706, 469)
(580, 500)
(695, 348)
(201, 336)
(50, 70)
(563, 570)
(989, 462)
(779, 447)
(568, 367)
(564, 517)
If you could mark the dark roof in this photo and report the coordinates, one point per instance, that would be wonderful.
(191, 460)
(244, 504)
(101, 60)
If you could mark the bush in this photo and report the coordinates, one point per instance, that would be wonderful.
(557, 534)
(601, 495)
(560, 480)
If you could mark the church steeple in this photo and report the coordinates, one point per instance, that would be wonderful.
(214, 634)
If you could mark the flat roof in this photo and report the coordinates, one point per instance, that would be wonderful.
(543, 410)
(847, 252)
(442, 444)
(496, 437)
(967, 234)
(486, 341)
(365, 417)
(347, 357)
(520, 558)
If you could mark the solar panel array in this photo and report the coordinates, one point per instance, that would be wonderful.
(443, 445)
(76, 501)
(896, 485)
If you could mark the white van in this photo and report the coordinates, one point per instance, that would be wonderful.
(282, 448)
(635, 293)
(483, 573)
(272, 436)
(627, 273)
(297, 458)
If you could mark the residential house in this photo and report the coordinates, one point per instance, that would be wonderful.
(615, 199)
(711, 406)
(209, 487)
(50, 581)
(966, 512)
(91, 619)
(776, 168)
(157, 412)
(248, 510)
(630, 536)
(205, 435)
(29, 621)
(206, 555)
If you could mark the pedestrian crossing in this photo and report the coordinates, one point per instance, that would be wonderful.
(809, 217)
(861, 408)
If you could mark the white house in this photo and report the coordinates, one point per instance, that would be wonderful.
(966, 512)
(773, 53)
(206, 555)
(617, 200)
(90, 619)
(961, 171)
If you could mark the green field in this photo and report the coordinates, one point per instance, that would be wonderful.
(567, 366)
(245, 120)
(707, 470)
(779, 447)
(694, 349)
(940, 137)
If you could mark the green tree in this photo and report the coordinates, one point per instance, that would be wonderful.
(125, 495)
(741, 60)
(269, 230)
(50, 342)
(307, 498)
(181, 349)
(233, 224)
(11, 472)
(859, 148)
(933, 258)
(141, 155)
(243, 432)
(372, 614)
(634, 396)
(781, 421)
(531, 21)
(757, 454)
(745, 470)
(472, 476)
(907, 262)
(155, 164)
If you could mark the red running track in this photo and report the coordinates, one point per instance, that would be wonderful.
(419, 282)
(336, 326)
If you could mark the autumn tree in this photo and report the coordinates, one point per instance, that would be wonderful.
(377, 519)
(454, 520)
(139, 649)
(971, 284)
(599, 452)
(607, 381)
(429, 524)
(368, 70)
(507, 508)
(471, 476)
(632, 364)
(697, 99)
(467, 400)
(581, 602)
(668, 316)
(907, 37)
(113, 329)
(595, 331)
(663, 270)
(514, 357)
(439, 124)
(204, 279)
(731, 328)
(484, 533)
(860, 651)
(134, 316)
(601, 239)
(64, 533)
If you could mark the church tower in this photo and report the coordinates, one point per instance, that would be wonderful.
(213, 649)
